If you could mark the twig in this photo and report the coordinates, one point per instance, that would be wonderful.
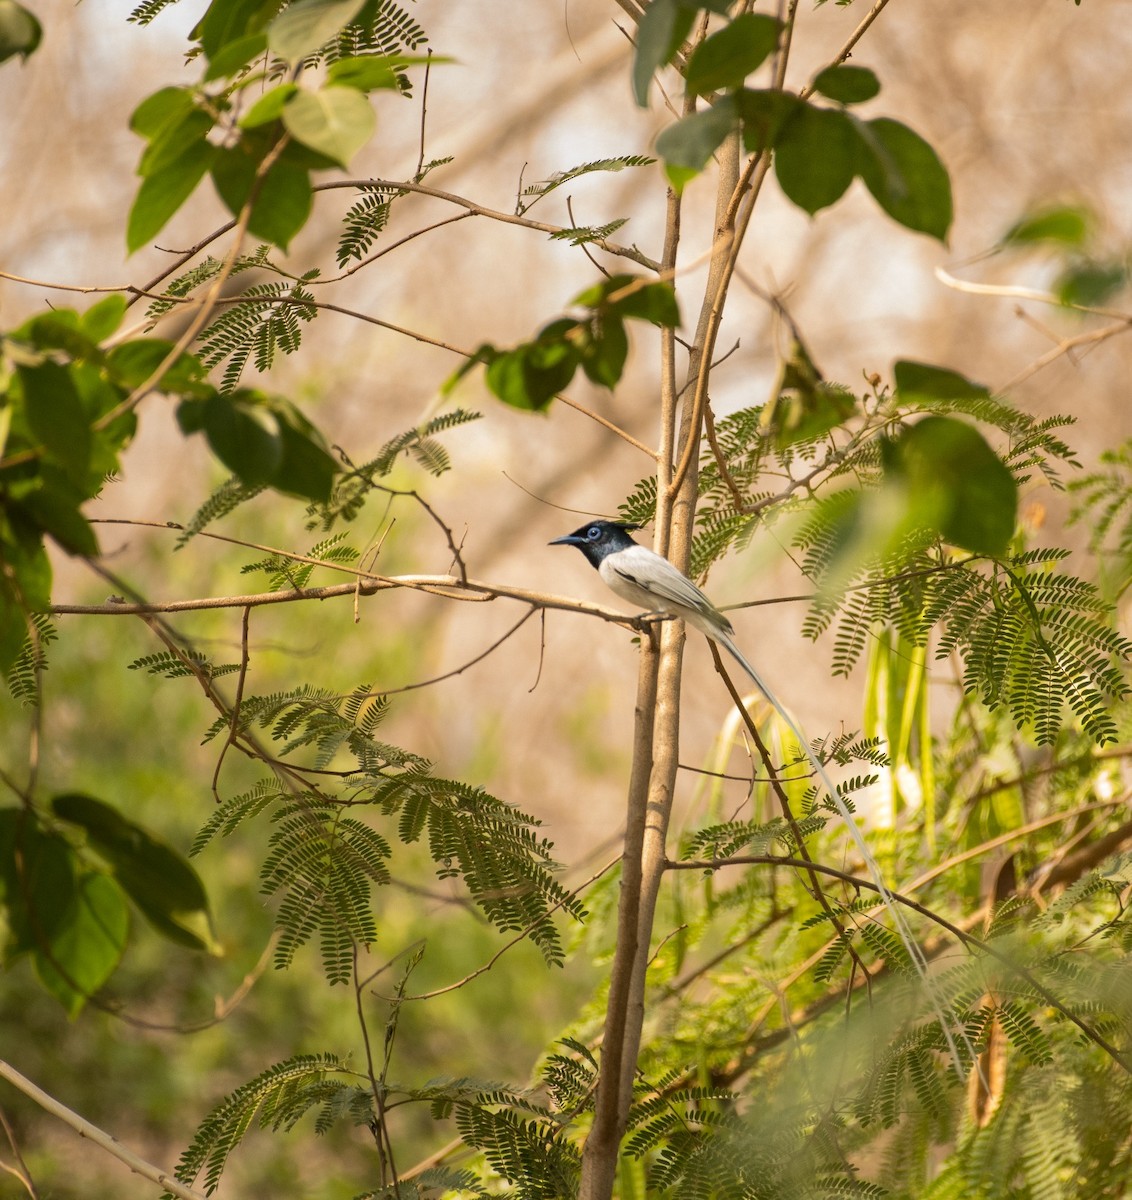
(100, 1138)
(234, 723)
(479, 210)
(18, 1169)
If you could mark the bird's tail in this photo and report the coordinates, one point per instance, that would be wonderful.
(858, 839)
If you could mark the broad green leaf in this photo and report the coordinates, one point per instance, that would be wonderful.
(104, 317)
(689, 144)
(922, 383)
(174, 141)
(234, 55)
(816, 157)
(655, 302)
(660, 32)
(367, 74)
(57, 416)
(245, 437)
(59, 330)
(726, 58)
(88, 945)
(1065, 225)
(163, 108)
(166, 889)
(846, 84)
(631, 296)
(307, 26)
(269, 107)
(307, 468)
(1089, 283)
(37, 880)
(20, 31)
(605, 352)
(531, 375)
(957, 483)
(906, 176)
(54, 508)
(228, 21)
(162, 194)
(335, 121)
(763, 114)
(284, 200)
(133, 362)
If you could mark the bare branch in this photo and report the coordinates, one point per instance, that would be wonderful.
(85, 1129)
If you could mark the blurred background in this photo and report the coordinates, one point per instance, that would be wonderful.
(1022, 100)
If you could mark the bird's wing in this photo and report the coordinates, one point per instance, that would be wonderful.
(642, 568)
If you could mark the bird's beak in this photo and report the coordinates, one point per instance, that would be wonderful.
(569, 540)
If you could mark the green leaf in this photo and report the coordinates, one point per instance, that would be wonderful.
(847, 85)
(906, 176)
(654, 302)
(37, 880)
(161, 109)
(20, 32)
(104, 317)
(165, 888)
(688, 145)
(604, 353)
(162, 194)
(531, 375)
(132, 363)
(245, 437)
(922, 383)
(234, 55)
(726, 58)
(660, 32)
(174, 141)
(307, 469)
(54, 508)
(228, 21)
(816, 157)
(307, 26)
(88, 944)
(57, 416)
(368, 74)
(284, 200)
(269, 107)
(1066, 225)
(1090, 283)
(336, 121)
(957, 484)
(764, 113)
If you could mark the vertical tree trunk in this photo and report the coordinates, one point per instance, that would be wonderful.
(657, 731)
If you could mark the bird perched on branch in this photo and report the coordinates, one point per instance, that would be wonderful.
(644, 578)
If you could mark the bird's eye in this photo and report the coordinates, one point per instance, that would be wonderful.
(593, 533)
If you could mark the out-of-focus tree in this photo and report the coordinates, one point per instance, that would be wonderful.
(900, 970)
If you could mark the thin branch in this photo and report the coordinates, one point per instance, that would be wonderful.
(104, 1140)
(18, 1169)
(479, 210)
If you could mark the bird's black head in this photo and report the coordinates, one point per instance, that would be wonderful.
(599, 539)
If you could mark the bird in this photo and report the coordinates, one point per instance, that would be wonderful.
(649, 581)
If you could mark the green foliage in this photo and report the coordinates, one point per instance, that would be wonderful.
(533, 373)
(279, 1097)
(262, 320)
